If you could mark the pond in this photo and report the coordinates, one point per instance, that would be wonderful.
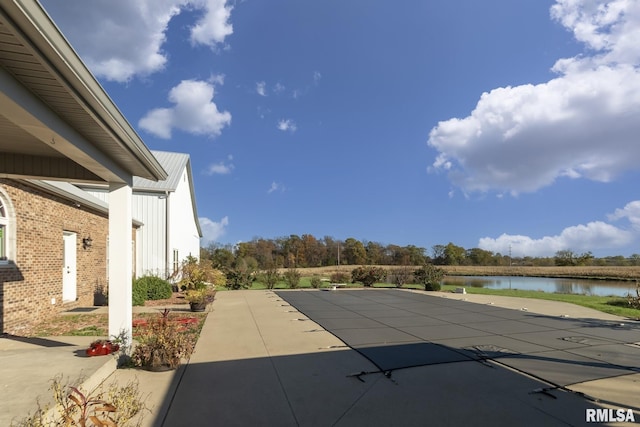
(546, 284)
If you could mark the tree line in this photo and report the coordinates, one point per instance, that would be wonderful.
(304, 251)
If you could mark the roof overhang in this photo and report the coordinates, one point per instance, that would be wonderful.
(56, 120)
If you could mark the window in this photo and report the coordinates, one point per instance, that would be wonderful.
(7, 230)
(175, 261)
(3, 245)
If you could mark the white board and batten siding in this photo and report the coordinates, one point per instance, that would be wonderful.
(167, 210)
(151, 238)
(184, 234)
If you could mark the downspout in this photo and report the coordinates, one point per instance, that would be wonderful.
(166, 236)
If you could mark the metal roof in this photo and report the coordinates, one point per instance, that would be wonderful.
(174, 164)
(74, 194)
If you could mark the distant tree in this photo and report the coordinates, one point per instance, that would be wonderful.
(222, 258)
(585, 258)
(246, 249)
(354, 252)
(375, 253)
(416, 255)
(396, 255)
(314, 250)
(438, 254)
(478, 256)
(454, 255)
(294, 252)
(264, 253)
(331, 250)
(565, 257)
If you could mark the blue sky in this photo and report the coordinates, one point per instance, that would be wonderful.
(490, 124)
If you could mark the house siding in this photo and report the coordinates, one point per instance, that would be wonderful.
(34, 278)
(151, 210)
(183, 235)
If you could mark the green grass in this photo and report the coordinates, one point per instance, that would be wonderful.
(89, 331)
(613, 305)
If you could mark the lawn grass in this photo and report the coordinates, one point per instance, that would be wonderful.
(613, 305)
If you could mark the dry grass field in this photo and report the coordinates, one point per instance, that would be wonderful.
(610, 273)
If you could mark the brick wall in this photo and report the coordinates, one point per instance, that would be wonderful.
(28, 287)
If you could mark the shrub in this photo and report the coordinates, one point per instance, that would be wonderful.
(430, 277)
(157, 288)
(368, 275)
(241, 275)
(196, 274)
(339, 277)
(108, 405)
(316, 282)
(292, 278)
(139, 292)
(401, 276)
(239, 279)
(161, 343)
(270, 277)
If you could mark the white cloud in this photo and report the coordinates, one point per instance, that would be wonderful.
(316, 77)
(631, 212)
(121, 39)
(213, 26)
(275, 186)
(211, 230)
(287, 125)
(595, 235)
(194, 112)
(580, 238)
(220, 168)
(582, 124)
(261, 88)
(216, 79)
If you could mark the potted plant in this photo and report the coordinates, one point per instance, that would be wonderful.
(199, 298)
(161, 345)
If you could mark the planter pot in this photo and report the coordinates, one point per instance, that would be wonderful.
(198, 306)
(102, 348)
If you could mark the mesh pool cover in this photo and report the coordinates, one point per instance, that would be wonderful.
(396, 329)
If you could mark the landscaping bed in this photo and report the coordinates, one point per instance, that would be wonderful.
(97, 325)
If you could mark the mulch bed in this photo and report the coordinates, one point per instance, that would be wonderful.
(87, 324)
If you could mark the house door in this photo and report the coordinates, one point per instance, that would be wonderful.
(69, 290)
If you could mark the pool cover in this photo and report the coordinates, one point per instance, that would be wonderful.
(397, 329)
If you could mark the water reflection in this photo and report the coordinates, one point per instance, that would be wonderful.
(545, 284)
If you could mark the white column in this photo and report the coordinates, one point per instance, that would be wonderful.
(120, 259)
